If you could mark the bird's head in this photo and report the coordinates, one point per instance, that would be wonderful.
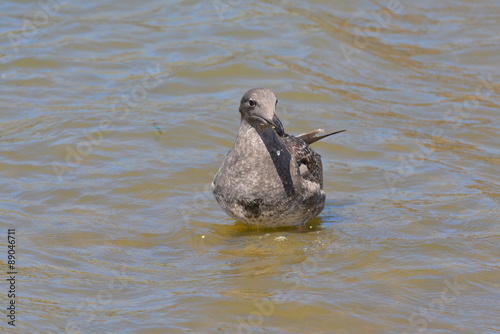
(258, 108)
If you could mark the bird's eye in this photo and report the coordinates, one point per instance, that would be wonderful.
(252, 103)
(276, 102)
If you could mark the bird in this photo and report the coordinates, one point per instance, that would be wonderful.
(270, 178)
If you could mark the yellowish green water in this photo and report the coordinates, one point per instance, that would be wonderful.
(116, 115)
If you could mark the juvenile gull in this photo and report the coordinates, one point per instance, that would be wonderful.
(270, 178)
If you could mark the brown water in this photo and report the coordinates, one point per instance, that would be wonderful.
(115, 117)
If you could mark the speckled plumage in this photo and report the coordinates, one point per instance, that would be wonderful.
(269, 178)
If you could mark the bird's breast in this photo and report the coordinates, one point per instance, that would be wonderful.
(257, 167)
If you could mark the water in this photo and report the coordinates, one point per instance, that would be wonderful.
(116, 116)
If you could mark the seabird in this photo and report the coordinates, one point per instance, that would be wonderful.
(270, 178)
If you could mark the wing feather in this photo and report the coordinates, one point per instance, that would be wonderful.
(308, 161)
(311, 137)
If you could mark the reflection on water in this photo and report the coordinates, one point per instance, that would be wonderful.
(116, 116)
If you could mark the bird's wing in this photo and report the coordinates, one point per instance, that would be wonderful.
(308, 161)
(311, 137)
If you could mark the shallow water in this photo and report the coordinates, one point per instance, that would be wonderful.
(116, 116)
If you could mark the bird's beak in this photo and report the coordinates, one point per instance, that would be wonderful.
(277, 125)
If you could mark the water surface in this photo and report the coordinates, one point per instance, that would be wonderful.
(115, 116)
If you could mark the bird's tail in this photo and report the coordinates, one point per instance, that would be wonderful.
(311, 137)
